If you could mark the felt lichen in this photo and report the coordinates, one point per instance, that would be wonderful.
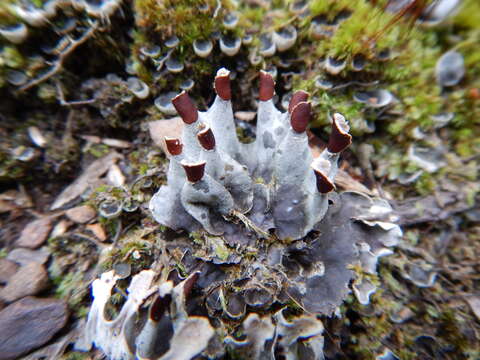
(267, 231)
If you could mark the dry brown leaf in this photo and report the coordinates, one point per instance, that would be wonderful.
(90, 176)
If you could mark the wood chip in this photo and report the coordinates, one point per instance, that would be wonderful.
(160, 128)
(90, 176)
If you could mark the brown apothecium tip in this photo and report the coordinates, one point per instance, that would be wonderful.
(267, 86)
(324, 185)
(190, 282)
(222, 84)
(297, 97)
(301, 115)
(339, 139)
(194, 171)
(174, 146)
(159, 307)
(185, 107)
(206, 138)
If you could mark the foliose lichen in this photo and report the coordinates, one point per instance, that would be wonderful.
(273, 238)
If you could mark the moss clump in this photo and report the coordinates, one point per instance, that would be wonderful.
(172, 17)
(368, 30)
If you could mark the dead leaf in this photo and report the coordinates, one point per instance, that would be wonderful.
(90, 176)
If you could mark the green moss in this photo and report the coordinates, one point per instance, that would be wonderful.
(70, 287)
(450, 330)
(6, 16)
(469, 15)
(11, 57)
(179, 17)
(74, 355)
(425, 184)
(368, 29)
(99, 150)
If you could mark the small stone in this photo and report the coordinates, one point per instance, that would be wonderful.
(98, 231)
(28, 280)
(35, 233)
(81, 214)
(7, 269)
(27, 256)
(28, 324)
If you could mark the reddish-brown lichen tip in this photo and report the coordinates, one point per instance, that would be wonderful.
(174, 146)
(301, 115)
(267, 86)
(206, 138)
(185, 107)
(324, 185)
(159, 307)
(194, 171)
(190, 282)
(339, 139)
(297, 97)
(222, 84)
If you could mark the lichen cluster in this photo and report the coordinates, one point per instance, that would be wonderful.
(39, 36)
(276, 233)
(406, 75)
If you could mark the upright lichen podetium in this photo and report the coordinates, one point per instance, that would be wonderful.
(273, 183)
